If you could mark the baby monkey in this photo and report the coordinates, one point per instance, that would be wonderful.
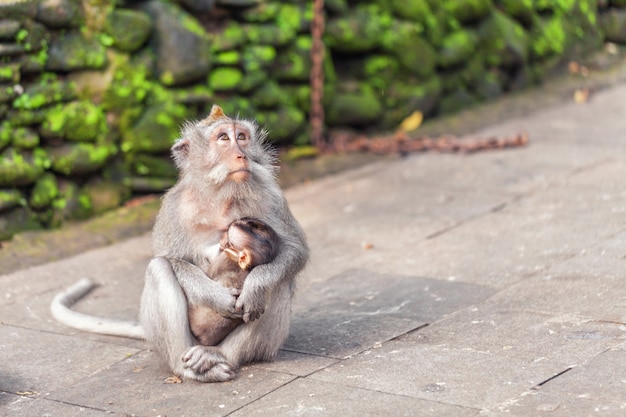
(246, 243)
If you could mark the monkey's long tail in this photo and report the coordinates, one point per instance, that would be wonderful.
(61, 311)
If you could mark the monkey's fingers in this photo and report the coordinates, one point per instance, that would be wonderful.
(252, 315)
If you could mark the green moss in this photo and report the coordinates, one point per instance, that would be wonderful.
(405, 37)
(467, 10)
(522, 10)
(225, 78)
(6, 134)
(360, 30)
(131, 85)
(457, 48)
(76, 121)
(167, 78)
(154, 129)
(81, 158)
(415, 10)
(268, 95)
(154, 166)
(282, 124)
(10, 198)
(25, 138)
(549, 38)
(21, 35)
(128, 29)
(72, 203)
(10, 73)
(47, 90)
(44, 192)
(289, 18)
(232, 37)
(504, 41)
(22, 167)
(75, 51)
(228, 58)
(263, 13)
(356, 105)
(269, 34)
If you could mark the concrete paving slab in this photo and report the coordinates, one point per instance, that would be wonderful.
(589, 284)
(34, 313)
(587, 195)
(294, 363)
(504, 172)
(522, 334)
(22, 406)
(594, 389)
(582, 125)
(137, 386)
(495, 250)
(105, 265)
(420, 210)
(41, 362)
(305, 397)
(460, 376)
(358, 309)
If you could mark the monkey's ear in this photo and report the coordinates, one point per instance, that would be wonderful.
(216, 113)
(180, 153)
(245, 259)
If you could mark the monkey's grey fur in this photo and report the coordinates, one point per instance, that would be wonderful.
(226, 172)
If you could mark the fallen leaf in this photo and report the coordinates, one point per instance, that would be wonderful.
(412, 122)
(174, 379)
(367, 245)
(26, 393)
(581, 95)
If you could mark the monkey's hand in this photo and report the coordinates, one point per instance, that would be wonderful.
(223, 300)
(251, 301)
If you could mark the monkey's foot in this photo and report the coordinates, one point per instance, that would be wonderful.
(207, 364)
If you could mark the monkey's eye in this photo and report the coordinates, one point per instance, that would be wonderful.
(241, 136)
(222, 136)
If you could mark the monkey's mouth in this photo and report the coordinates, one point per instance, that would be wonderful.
(240, 174)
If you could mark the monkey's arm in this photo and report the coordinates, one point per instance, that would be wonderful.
(292, 257)
(202, 290)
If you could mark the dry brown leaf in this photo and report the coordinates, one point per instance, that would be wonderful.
(174, 379)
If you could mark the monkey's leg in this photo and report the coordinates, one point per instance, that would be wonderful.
(166, 324)
(261, 339)
(163, 314)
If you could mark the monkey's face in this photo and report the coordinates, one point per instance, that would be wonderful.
(231, 141)
(222, 150)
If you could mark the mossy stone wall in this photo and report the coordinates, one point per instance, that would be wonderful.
(93, 92)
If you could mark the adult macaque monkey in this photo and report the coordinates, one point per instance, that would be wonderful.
(226, 173)
(247, 243)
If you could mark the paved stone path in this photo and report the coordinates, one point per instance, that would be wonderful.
(491, 284)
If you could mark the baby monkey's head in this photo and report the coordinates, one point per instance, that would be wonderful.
(250, 242)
